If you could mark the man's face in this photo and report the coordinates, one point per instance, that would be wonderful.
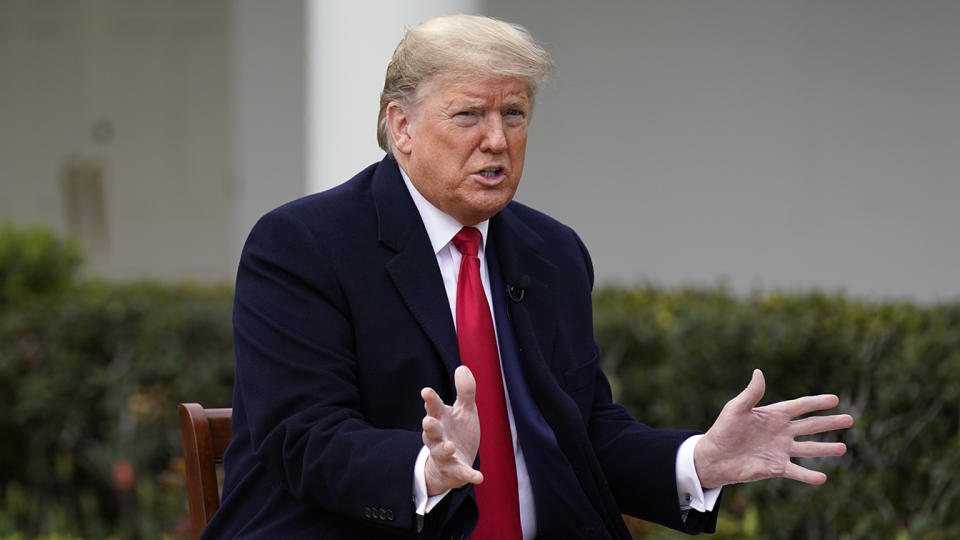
(463, 144)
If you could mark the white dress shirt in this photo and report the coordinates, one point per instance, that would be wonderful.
(441, 228)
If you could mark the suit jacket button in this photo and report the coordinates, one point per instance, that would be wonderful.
(381, 514)
(389, 515)
(366, 511)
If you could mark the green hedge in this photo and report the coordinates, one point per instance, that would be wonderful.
(677, 356)
(90, 374)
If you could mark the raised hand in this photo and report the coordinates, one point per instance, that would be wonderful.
(452, 433)
(748, 443)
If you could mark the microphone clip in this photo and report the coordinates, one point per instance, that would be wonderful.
(516, 292)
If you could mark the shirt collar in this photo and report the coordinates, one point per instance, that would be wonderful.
(441, 227)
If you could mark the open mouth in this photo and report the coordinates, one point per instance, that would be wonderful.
(491, 172)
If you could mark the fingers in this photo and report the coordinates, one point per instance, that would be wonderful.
(457, 474)
(443, 452)
(819, 424)
(444, 455)
(802, 474)
(811, 449)
(447, 435)
(469, 474)
(445, 461)
(432, 432)
(807, 404)
(432, 402)
(445, 471)
(752, 394)
(466, 387)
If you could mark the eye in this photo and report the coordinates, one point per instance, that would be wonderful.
(514, 116)
(467, 117)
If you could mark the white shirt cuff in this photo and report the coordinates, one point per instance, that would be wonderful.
(689, 491)
(424, 503)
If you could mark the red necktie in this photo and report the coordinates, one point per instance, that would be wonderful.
(497, 496)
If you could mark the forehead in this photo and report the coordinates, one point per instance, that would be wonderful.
(449, 91)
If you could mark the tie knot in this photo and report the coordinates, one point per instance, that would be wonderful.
(468, 241)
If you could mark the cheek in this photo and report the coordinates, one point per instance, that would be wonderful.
(519, 150)
(519, 139)
(457, 155)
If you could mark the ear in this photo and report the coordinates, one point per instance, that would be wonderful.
(398, 123)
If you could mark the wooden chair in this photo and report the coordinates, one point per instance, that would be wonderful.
(205, 434)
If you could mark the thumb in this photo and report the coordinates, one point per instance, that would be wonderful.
(466, 386)
(753, 393)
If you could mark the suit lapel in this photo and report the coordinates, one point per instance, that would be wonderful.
(519, 249)
(521, 252)
(413, 268)
(534, 320)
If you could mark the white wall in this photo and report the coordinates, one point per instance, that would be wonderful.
(350, 45)
(153, 75)
(268, 84)
(781, 144)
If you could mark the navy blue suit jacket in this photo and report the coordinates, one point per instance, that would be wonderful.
(341, 318)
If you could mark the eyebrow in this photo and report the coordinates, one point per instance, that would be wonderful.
(516, 102)
(471, 102)
(467, 103)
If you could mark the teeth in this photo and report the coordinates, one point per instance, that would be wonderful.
(490, 173)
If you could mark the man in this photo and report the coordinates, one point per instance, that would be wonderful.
(419, 283)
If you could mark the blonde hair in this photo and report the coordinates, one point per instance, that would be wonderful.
(459, 47)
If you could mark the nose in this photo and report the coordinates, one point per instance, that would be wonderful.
(494, 138)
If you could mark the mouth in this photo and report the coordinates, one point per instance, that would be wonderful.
(491, 175)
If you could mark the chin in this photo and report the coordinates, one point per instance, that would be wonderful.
(483, 207)
(488, 213)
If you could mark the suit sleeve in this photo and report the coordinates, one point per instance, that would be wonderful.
(296, 370)
(639, 462)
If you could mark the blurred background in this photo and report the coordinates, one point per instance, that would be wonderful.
(761, 184)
